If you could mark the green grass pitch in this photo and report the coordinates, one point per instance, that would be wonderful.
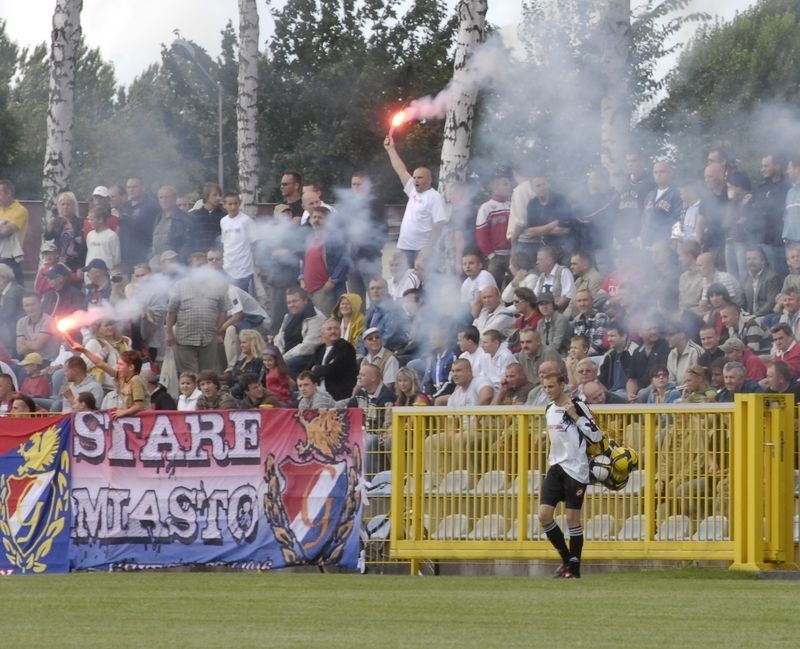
(659, 608)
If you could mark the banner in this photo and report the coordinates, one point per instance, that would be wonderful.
(34, 494)
(255, 489)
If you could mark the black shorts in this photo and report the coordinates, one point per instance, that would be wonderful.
(558, 486)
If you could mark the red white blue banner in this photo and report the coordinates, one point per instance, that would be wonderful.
(256, 489)
(34, 494)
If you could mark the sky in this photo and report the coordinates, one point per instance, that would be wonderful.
(129, 33)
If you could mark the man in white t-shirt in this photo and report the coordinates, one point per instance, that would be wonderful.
(477, 279)
(238, 237)
(425, 215)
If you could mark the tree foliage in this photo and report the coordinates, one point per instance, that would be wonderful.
(10, 127)
(738, 85)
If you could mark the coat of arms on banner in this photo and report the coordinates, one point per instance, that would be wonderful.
(311, 502)
(34, 503)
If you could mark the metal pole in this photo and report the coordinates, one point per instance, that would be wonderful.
(219, 133)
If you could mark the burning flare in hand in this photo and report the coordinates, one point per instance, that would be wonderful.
(65, 325)
(398, 119)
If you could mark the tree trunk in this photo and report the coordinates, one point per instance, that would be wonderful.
(246, 128)
(61, 108)
(459, 121)
(615, 105)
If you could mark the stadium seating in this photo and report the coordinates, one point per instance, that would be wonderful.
(490, 527)
(674, 528)
(378, 527)
(455, 482)
(601, 527)
(381, 484)
(454, 526)
(713, 528)
(491, 482)
(534, 482)
(633, 529)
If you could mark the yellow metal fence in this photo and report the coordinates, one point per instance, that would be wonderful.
(714, 482)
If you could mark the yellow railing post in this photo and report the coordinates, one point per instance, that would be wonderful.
(741, 520)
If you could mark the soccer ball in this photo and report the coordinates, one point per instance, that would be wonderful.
(623, 460)
(600, 468)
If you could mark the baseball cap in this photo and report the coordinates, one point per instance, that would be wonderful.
(370, 331)
(59, 270)
(32, 359)
(100, 190)
(99, 264)
(547, 297)
(732, 345)
(280, 208)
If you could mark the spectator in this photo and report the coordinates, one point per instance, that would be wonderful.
(493, 315)
(491, 228)
(514, 387)
(586, 371)
(238, 239)
(401, 277)
(334, 363)
(386, 315)
(791, 218)
(500, 356)
(311, 397)
(553, 328)
(213, 395)
(408, 390)
(589, 322)
(366, 233)
(300, 331)
(761, 284)
(204, 219)
(6, 392)
(63, 229)
(709, 340)
(136, 220)
(48, 257)
(10, 306)
(98, 289)
(63, 297)
(578, 350)
(744, 327)
(35, 383)
(743, 231)
(683, 352)
(102, 243)
(13, 228)
(662, 390)
(85, 402)
(735, 382)
(785, 349)
(696, 388)
(662, 207)
(596, 216)
(249, 360)
(468, 341)
(477, 279)
(594, 393)
(523, 275)
(769, 205)
(790, 308)
(276, 376)
(709, 273)
(375, 399)
(585, 276)
(78, 381)
(348, 312)
(690, 283)
(532, 354)
(736, 351)
(190, 393)
(780, 380)
(172, 229)
(379, 356)
(291, 185)
(617, 360)
(22, 404)
(254, 394)
(425, 215)
(549, 219)
(327, 262)
(528, 315)
(436, 378)
(638, 185)
(553, 279)
(107, 343)
(132, 389)
(160, 399)
(198, 304)
(653, 351)
(35, 330)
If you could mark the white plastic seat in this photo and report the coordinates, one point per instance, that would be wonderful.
(455, 482)
(409, 484)
(797, 529)
(635, 484)
(490, 527)
(491, 482)
(534, 482)
(381, 484)
(632, 529)
(533, 531)
(454, 526)
(674, 528)
(797, 482)
(713, 528)
(601, 527)
(378, 527)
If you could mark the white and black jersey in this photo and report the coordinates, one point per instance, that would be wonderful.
(568, 439)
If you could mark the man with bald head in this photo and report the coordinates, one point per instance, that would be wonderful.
(714, 208)
(425, 215)
(537, 396)
(493, 315)
(662, 207)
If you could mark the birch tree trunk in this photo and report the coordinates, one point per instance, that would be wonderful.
(246, 129)
(61, 108)
(615, 105)
(459, 122)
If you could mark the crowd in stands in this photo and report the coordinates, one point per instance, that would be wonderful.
(662, 292)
